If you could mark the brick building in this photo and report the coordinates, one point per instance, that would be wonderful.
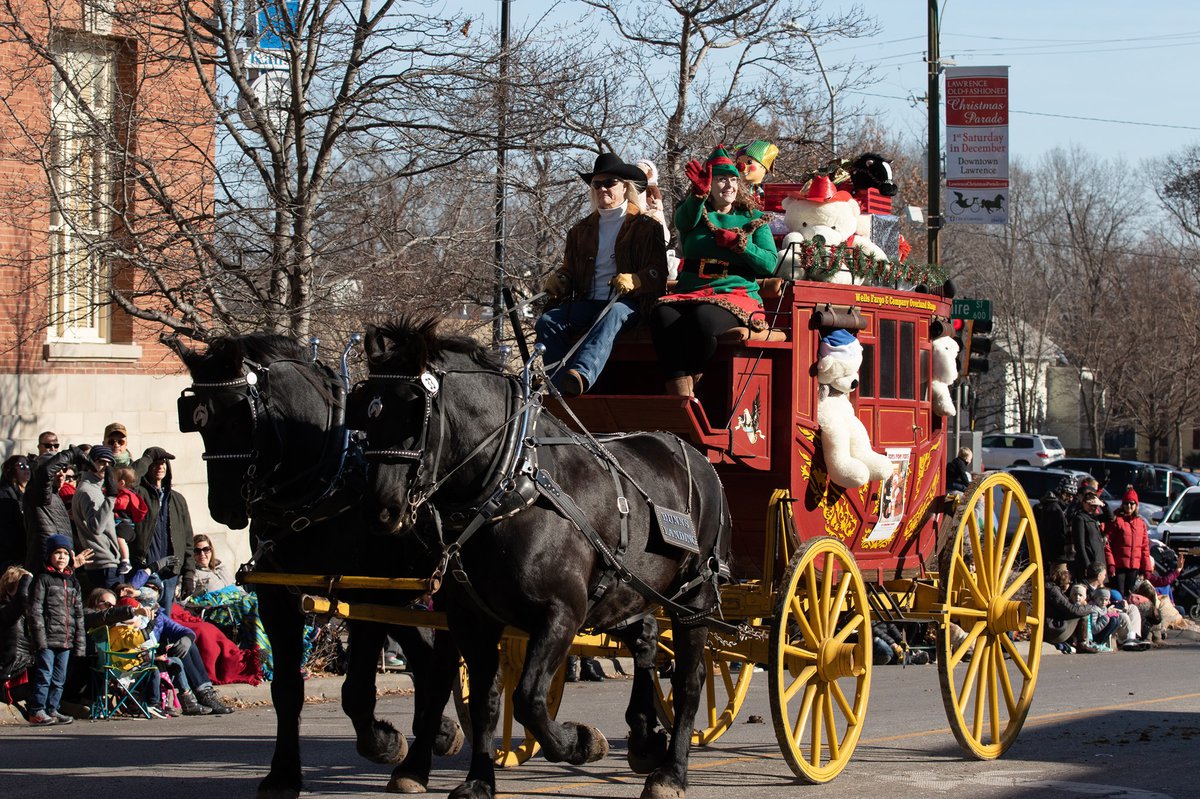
(93, 111)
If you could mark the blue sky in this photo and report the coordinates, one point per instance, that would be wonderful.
(1103, 60)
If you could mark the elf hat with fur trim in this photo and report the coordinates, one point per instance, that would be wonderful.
(721, 163)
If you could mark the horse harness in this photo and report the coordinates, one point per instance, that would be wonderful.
(338, 464)
(518, 475)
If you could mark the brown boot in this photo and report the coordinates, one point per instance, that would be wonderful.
(679, 387)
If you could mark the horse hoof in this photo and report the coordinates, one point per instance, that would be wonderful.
(650, 755)
(267, 791)
(591, 746)
(386, 745)
(405, 784)
(662, 789)
(473, 789)
(450, 739)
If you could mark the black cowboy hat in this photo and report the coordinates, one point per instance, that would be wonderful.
(611, 164)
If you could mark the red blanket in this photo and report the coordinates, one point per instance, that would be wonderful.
(223, 660)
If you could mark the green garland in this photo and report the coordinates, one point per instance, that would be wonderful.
(819, 263)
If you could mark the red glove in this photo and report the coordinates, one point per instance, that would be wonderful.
(701, 177)
(725, 238)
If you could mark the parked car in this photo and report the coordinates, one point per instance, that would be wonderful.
(1020, 449)
(1179, 527)
(1037, 481)
(1156, 484)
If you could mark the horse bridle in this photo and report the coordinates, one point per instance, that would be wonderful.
(196, 406)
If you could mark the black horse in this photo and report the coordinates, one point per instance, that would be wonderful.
(272, 420)
(546, 531)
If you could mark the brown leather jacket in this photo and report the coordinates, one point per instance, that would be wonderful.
(639, 250)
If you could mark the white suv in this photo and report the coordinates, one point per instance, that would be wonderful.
(1020, 449)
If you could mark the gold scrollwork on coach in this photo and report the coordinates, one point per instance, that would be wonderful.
(840, 519)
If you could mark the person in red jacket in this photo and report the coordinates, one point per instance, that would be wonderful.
(1128, 547)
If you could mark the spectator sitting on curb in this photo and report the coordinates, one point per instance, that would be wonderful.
(1063, 614)
(177, 641)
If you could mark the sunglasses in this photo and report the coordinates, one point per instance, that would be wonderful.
(48, 445)
(115, 438)
(607, 183)
(200, 550)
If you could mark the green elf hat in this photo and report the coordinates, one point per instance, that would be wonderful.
(721, 163)
(761, 151)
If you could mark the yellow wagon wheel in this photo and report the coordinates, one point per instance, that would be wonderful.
(727, 680)
(515, 746)
(990, 643)
(820, 663)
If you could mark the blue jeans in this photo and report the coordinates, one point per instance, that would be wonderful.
(167, 600)
(49, 673)
(557, 328)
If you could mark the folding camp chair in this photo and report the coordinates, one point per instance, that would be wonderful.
(118, 677)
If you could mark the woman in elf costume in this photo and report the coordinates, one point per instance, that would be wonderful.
(726, 246)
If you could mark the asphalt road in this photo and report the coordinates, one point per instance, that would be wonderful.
(1117, 726)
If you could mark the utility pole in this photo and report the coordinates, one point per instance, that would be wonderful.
(501, 178)
(933, 97)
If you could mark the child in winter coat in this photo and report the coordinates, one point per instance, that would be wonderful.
(128, 511)
(56, 630)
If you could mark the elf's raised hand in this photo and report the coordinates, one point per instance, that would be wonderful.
(701, 177)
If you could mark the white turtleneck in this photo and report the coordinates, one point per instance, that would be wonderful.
(611, 220)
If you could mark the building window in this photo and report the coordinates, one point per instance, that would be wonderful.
(81, 117)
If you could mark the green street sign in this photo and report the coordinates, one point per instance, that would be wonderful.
(972, 310)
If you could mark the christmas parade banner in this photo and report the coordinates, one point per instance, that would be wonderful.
(977, 145)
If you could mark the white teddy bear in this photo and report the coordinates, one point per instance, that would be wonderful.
(945, 372)
(849, 458)
(823, 216)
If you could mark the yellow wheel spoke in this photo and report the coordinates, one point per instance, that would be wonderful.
(1025, 574)
(799, 652)
(827, 593)
(969, 613)
(1014, 548)
(987, 564)
(727, 677)
(1010, 700)
(958, 654)
(1001, 534)
(847, 711)
(810, 581)
(839, 601)
(802, 679)
(1019, 661)
(831, 725)
(810, 692)
(1033, 621)
(968, 685)
(996, 665)
(710, 691)
(855, 622)
(977, 551)
(810, 635)
(818, 724)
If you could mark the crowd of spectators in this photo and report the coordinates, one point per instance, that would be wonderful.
(92, 522)
(1102, 586)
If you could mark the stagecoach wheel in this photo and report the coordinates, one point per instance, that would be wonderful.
(820, 662)
(516, 746)
(990, 642)
(727, 680)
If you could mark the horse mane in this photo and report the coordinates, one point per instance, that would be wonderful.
(224, 355)
(416, 338)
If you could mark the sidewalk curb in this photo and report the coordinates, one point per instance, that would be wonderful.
(316, 689)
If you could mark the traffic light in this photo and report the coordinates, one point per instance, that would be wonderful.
(979, 345)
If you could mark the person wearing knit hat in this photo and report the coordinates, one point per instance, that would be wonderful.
(1127, 551)
(614, 267)
(92, 512)
(55, 618)
(727, 245)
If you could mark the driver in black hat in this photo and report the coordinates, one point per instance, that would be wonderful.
(616, 251)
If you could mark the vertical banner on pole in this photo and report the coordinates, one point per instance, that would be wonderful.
(977, 145)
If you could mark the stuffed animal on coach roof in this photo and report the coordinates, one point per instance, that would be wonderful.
(825, 217)
(754, 161)
(850, 460)
(873, 171)
(945, 372)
